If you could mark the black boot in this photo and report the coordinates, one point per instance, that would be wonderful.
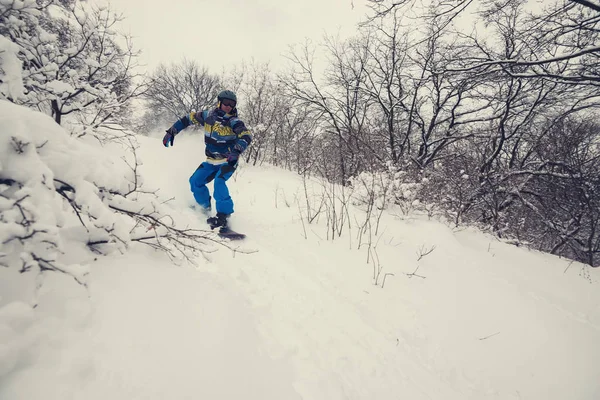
(219, 221)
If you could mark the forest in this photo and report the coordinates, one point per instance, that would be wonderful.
(477, 112)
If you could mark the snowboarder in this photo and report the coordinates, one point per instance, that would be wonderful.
(226, 137)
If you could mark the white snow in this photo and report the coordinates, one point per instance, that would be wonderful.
(299, 316)
(58, 87)
(11, 84)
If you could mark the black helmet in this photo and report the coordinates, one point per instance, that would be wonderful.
(227, 94)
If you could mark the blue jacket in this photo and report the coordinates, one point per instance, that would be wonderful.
(223, 133)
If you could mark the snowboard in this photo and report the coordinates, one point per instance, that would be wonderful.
(227, 233)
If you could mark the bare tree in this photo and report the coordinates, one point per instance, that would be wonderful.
(557, 43)
(385, 82)
(181, 87)
(338, 103)
(485, 117)
(262, 109)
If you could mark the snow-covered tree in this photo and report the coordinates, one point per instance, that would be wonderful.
(73, 59)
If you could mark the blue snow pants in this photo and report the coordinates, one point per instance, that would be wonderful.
(204, 174)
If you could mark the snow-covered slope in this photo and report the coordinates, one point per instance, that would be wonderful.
(296, 316)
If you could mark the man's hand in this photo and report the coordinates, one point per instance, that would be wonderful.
(169, 137)
(232, 158)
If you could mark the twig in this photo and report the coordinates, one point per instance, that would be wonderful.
(487, 337)
(414, 273)
(385, 276)
(301, 218)
(568, 266)
(423, 252)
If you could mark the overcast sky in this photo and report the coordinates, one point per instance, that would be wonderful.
(225, 32)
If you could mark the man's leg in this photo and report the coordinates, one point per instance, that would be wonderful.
(222, 197)
(205, 173)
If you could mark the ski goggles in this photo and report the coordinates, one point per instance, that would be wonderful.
(228, 103)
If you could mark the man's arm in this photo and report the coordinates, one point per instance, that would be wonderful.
(183, 122)
(196, 118)
(244, 137)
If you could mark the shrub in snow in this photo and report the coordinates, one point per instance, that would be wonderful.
(59, 194)
(391, 186)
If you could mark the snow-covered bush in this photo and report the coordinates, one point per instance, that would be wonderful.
(59, 196)
(40, 166)
(391, 186)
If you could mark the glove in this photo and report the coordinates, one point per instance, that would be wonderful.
(232, 158)
(169, 137)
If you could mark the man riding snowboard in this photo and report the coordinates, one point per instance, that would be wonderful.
(226, 137)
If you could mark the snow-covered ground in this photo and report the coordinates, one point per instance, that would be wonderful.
(296, 316)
